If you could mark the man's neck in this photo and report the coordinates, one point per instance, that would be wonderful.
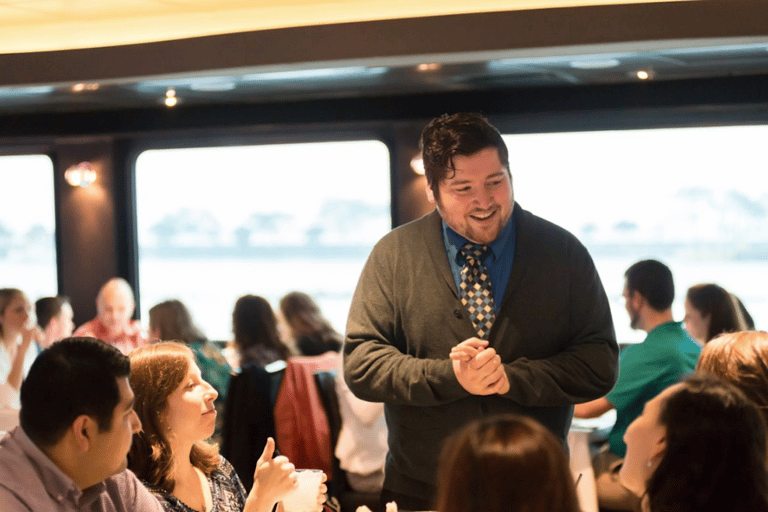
(66, 461)
(652, 318)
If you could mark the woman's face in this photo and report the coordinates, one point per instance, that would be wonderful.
(190, 415)
(16, 315)
(696, 324)
(646, 440)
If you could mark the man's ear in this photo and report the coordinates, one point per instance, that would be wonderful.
(83, 431)
(430, 194)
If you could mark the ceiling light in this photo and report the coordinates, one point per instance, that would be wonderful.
(643, 75)
(417, 164)
(85, 87)
(80, 175)
(431, 66)
(170, 98)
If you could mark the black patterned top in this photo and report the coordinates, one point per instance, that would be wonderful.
(227, 492)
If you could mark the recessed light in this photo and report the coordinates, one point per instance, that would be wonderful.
(643, 75)
(428, 66)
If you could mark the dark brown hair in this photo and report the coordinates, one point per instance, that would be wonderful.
(47, 308)
(254, 323)
(313, 331)
(156, 372)
(173, 321)
(714, 458)
(725, 311)
(461, 134)
(505, 464)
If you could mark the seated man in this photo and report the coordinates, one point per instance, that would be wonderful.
(645, 370)
(77, 424)
(114, 324)
(54, 316)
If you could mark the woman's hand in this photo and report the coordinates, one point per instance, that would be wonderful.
(272, 479)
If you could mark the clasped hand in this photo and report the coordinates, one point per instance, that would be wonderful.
(478, 368)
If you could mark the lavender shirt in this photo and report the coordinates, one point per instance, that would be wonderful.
(30, 481)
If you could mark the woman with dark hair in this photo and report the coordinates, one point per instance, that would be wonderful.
(699, 446)
(175, 406)
(16, 334)
(310, 329)
(740, 358)
(505, 464)
(172, 321)
(255, 327)
(711, 310)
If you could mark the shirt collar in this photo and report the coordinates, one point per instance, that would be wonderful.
(457, 241)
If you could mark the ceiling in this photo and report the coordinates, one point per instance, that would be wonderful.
(573, 46)
(43, 25)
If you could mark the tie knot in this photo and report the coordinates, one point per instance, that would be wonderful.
(474, 251)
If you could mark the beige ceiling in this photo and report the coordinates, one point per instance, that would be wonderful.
(41, 25)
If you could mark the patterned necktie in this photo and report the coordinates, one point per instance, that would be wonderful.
(475, 289)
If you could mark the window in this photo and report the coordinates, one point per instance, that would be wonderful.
(693, 198)
(27, 226)
(217, 223)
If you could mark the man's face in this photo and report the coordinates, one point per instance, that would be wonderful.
(115, 310)
(633, 308)
(110, 448)
(64, 322)
(477, 200)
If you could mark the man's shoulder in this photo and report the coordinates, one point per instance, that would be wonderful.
(402, 237)
(128, 493)
(92, 327)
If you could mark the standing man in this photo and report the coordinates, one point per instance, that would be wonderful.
(77, 424)
(477, 308)
(647, 369)
(114, 322)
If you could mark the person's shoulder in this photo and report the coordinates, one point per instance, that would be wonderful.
(415, 228)
(126, 488)
(92, 327)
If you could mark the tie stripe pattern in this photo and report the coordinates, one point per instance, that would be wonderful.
(475, 289)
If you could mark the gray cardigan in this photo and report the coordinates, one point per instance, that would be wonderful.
(553, 332)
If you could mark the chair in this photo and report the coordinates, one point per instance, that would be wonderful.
(249, 418)
(349, 499)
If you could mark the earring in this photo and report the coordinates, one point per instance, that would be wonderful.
(650, 464)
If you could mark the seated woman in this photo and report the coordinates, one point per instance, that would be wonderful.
(17, 332)
(171, 321)
(699, 446)
(257, 340)
(505, 463)
(311, 332)
(175, 406)
(711, 310)
(740, 358)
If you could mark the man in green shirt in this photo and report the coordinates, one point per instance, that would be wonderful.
(645, 369)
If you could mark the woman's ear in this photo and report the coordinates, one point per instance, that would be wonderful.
(658, 449)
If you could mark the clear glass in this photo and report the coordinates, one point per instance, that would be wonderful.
(217, 223)
(27, 226)
(693, 198)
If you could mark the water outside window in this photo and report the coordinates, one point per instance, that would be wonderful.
(217, 223)
(693, 198)
(27, 226)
